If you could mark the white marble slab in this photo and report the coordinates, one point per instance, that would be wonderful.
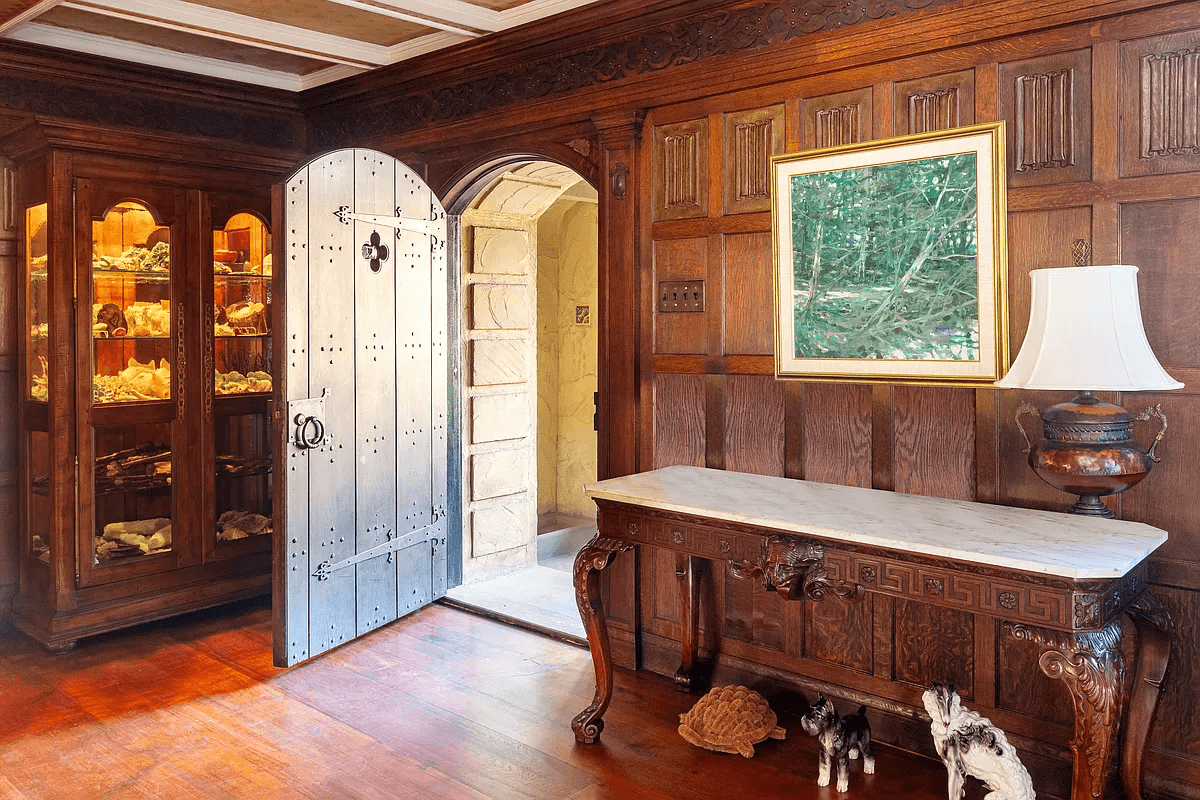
(1017, 538)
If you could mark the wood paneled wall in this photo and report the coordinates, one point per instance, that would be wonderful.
(1102, 128)
(671, 108)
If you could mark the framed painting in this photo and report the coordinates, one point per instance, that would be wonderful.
(890, 260)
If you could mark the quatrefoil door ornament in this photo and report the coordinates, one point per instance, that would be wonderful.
(375, 251)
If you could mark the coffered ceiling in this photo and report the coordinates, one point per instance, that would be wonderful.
(286, 44)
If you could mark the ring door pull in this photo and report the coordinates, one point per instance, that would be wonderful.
(310, 431)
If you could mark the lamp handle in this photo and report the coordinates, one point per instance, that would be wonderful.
(1155, 411)
(1025, 408)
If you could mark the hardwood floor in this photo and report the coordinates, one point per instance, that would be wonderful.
(441, 704)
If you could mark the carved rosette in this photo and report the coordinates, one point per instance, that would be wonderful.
(793, 568)
(1091, 665)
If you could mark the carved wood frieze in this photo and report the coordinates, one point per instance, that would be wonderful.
(676, 43)
(1047, 102)
(145, 112)
(1036, 599)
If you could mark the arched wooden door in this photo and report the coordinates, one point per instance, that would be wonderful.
(361, 393)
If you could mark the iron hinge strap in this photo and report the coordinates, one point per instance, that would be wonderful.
(399, 222)
(325, 569)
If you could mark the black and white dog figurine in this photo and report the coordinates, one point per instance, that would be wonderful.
(971, 745)
(841, 739)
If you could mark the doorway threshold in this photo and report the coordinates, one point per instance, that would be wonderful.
(539, 598)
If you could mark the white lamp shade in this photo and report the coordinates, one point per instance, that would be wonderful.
(1085, 333)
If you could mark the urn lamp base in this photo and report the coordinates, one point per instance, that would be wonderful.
(1089, 450)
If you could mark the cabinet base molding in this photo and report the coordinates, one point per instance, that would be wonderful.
(59, 631)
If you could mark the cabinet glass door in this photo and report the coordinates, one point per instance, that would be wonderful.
(242, 382)
(133, 343)
(37, 352)
(37, 300)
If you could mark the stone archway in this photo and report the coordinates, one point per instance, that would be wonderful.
(529, 360)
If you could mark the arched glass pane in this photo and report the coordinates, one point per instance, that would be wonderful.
(131, 306)
(243, 380)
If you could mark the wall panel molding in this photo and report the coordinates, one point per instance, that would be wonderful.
(837, 119)
(1047, 103)
(935, 103)
(749, 140)
(681, 170)
(1160, 104)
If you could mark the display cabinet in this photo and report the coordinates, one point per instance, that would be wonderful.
(145, 422)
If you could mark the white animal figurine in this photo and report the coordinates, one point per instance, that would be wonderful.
(971, 745)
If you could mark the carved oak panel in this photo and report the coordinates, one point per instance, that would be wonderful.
(836, 119)
(935, 103)
(748, 141)
(1048, 105)
(681, 170)
(839, 632)
(1160, 104)
(934, 644)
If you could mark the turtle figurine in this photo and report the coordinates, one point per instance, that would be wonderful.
(730, 719)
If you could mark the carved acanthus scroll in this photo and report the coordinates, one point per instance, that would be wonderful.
(595, 556)
(794, 568)
(1091, 665)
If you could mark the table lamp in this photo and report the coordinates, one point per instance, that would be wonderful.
(1085, 334)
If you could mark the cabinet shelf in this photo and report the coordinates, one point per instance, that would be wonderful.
(241, 275)
(137, 274)
(164, 338)
(244, 336)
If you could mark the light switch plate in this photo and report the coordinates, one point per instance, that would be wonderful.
(680, 296)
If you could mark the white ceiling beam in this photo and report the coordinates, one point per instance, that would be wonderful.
(389, 9)
(537, 9)
(402, 51)
(327, 75)
(18, 20)
(228, 26)
(453, 11)
(64, 38)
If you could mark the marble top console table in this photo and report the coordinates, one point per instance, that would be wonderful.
(1060, 581)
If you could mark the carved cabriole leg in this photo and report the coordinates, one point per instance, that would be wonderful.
(595, 556)
(687, 575)
(1091, 666)
(1155, 632)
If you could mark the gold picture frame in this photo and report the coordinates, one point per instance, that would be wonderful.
(890, 260)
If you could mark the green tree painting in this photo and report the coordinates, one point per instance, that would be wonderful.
(884, 261)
